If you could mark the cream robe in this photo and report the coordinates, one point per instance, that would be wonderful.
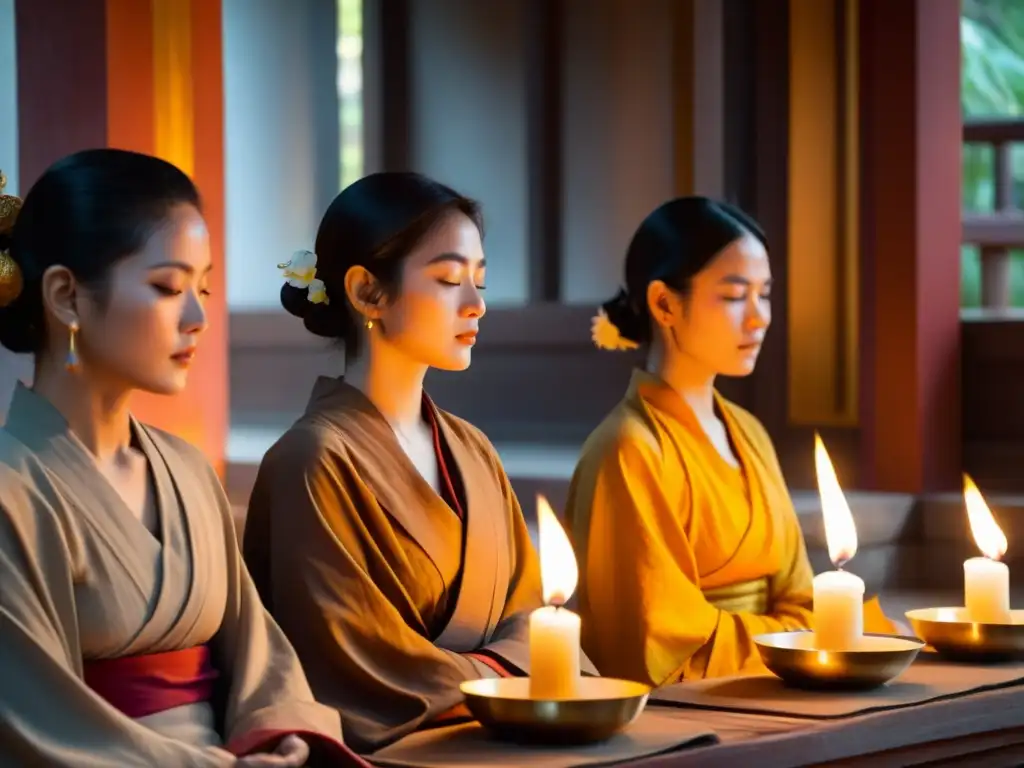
(82, 578)
(377, 581)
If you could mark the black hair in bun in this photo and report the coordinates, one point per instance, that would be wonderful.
(87, 212)
(319, 319)
(374, 223)
(674, 243)
(631, 324)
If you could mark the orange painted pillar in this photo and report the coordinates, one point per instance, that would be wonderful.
(910, 234)
(144, 75)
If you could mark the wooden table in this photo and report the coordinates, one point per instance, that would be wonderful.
(983, 729)
(988, 727)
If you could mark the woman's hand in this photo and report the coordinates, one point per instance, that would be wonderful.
(292, 752)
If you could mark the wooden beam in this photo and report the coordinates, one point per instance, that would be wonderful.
(910, 218)
(545, 21)
(145, 77)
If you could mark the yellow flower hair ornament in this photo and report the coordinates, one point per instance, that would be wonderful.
(606, 334)
(300, 272)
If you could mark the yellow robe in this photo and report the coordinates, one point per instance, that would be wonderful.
(683, 558)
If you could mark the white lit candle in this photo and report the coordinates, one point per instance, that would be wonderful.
(838, 610)
(986, 580)
(838, 595)
(554, 630)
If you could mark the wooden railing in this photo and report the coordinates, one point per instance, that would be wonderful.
(998, 232)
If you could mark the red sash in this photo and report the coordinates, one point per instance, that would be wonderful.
(153, 682)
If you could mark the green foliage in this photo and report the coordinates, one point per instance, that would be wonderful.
(350, 89)
(992, 68)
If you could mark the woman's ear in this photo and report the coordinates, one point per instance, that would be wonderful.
(662, 303)
(363, 292)
(60, 294)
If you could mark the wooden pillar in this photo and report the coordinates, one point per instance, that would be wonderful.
(144, 75)
(699, 75)
(910, 233)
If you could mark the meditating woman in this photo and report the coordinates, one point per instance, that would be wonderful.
(382, 531)
(687, 540)
(130, 631)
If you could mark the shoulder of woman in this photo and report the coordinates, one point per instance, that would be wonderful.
(306, 445)
(625, 435)
(32, 516)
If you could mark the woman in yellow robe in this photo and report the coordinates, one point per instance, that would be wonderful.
(688, 542)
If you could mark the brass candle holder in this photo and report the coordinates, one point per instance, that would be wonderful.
(954, 636)
(601, 707)
(875, 660)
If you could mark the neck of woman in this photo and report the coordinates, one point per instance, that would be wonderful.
(692, 381)
(96, 411)
(392, 382)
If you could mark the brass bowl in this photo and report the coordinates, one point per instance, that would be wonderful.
(954, 636)
(602, 707)
(877, 659)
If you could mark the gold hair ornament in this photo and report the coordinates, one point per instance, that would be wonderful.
(11, 279)
(606, 334)
(300, 272)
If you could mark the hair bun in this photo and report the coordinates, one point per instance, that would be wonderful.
(295, 301)
(328, 320)
(630, 323)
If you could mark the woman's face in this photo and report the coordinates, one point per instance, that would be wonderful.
(143, 332)
(723, 321)
(436, 315)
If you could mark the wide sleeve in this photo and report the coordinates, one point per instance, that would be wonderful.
(792, 586)
(510, 642)
(48, 715)
(315, 544)
(268, 696)
(645, 618)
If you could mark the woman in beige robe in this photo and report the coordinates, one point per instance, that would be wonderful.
(382, 532)
(130, 631)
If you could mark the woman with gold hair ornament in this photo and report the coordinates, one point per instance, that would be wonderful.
(688, 542)
(130, 631)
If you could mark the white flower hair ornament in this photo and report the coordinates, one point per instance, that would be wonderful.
(300, 272)
(606, 334)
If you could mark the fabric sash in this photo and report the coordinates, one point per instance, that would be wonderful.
(154, 682)
(743, 597)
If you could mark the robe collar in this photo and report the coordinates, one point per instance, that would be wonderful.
(393, 480)
(649, 390)
(36, 423)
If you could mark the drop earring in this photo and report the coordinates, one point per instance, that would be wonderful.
(72, 362)
(369, 325)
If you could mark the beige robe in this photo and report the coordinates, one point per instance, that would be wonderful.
(81, 578)
(377, 581)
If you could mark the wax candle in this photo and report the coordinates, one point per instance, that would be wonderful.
(554, 653)
(838, 610)
(554, 630)
(986, 581)
(838, 595)
(987, 590)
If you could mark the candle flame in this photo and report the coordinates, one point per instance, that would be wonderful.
(840, 531)
(986, 531)
(558, 570)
